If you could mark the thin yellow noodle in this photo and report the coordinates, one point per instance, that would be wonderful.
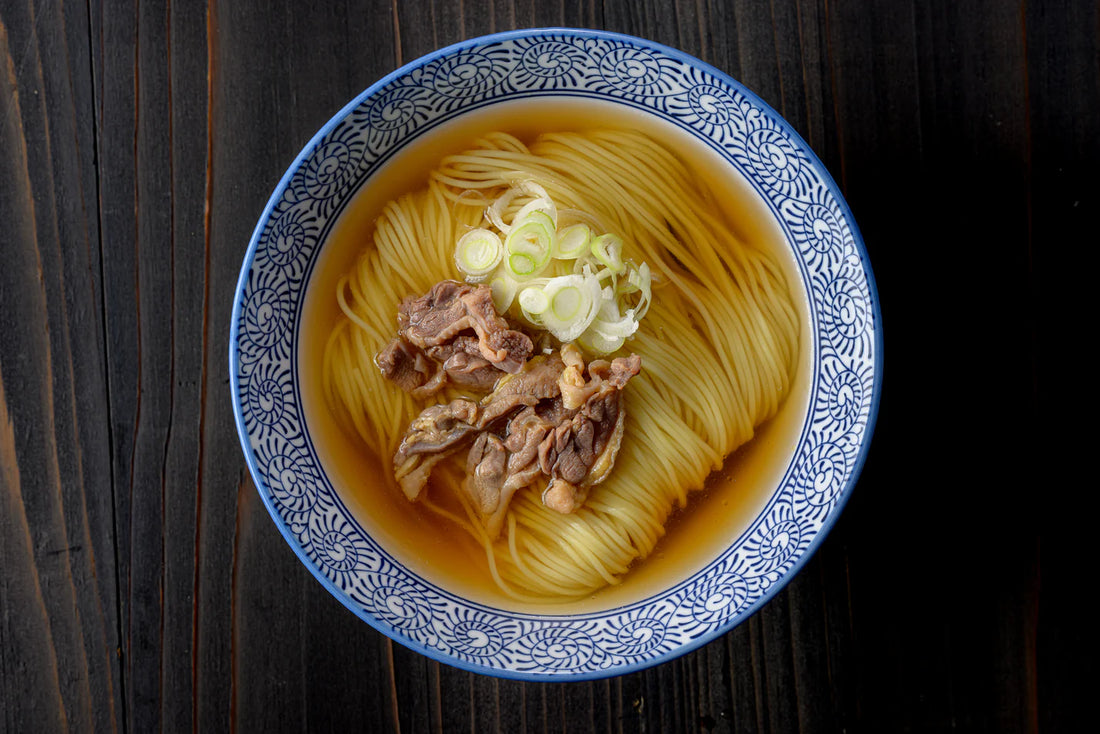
(718, 345)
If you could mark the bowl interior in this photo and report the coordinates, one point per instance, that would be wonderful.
(697, 534)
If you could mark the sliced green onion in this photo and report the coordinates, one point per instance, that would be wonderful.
(533, 300)
(574, 301)
(529, 245)
(616, 328)
(504, 288)
(639, 280)
(495, 212)
(598, 344)
(595, 306)
(544, 205)
(608, 249)
(631, 283)
(522, 266)
(477, 254)
(610, 324)
(572, 242)
(567, 302)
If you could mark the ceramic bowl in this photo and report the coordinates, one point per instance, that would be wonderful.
(813, 467)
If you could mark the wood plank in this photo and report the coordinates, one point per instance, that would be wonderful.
(1059, 632)
(58, 595)
(151, 113)
(303, 68)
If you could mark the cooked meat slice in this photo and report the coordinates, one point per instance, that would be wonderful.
(442, 428)
(576, 390)
(485, 473)
(622, 369)
(406, 365)
(538, 380)
(471, 372)
(525, 432)
(571, 382)
(570, 450)
(438, 427)
(508, 349)
(553, 411)
(412, 475)
(433, 435)
(561, 496)
(436, 317)
(580, 453)
(463, 364)
(452, 333)
(564, 420)
(496, 469)
(451, 308)
(463, 343)
(605, 410)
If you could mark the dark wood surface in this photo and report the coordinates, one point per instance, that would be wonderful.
(144, 587)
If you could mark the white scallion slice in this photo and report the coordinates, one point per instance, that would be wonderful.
(522, 266)
(598, 306)
(572, 242)
(618, 328)
(544, 205)
(533, 301)
(496, 210)
(574, 301)
(477, 254)
(504, 289)
(639, 280)
(610, 324)
(608, 249)
(598, 344)
(529, 245)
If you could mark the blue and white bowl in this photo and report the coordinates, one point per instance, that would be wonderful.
(818, 466)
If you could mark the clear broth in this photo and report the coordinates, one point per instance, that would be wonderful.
(446, 555)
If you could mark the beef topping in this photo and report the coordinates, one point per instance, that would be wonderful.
(580, 453)
(452, 333)
(544, 416)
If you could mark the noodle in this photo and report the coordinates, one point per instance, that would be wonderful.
(718, 345)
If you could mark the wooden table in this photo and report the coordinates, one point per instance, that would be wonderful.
(142, 583)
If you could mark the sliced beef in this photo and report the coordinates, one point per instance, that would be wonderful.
(435, 317)
(525, 433)
(553, 417)
(463, 364)
(437, 432)
(496, 469)
(412, 476)
(442, 428)
(406, 365)
(451, 308)
(486, 467)
(439, 427)
(452, 334)
(537, 381)
(576, 389)
(622, 369)
(581, 451)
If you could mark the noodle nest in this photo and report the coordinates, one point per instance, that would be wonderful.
(718, 345)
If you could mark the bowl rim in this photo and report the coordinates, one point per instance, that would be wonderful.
(842, 496)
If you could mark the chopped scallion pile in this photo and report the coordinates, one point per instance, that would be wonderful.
(598, 304)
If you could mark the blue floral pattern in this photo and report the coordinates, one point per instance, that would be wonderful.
(681, 91)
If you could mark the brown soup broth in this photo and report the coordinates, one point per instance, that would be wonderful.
(443, 553)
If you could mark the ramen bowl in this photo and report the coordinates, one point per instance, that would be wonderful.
(769, 507)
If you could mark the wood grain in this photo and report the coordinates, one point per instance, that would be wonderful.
(143, 586)
(58, 585)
